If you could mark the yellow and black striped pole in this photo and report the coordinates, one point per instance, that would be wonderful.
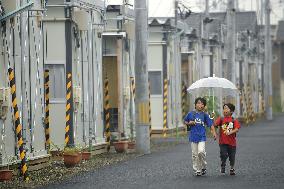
(150, 118)
(247, 105)
(262, 103)
(242, 104)
(46, 121)
(184, 103)
(165, 107)
(251, 115)
(133, 87)
(24, 167)
(107, 114)
(68, 108)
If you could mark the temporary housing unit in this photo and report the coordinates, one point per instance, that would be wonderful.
(73, 41)
(22, 104)
(118, 67)
(164, 68)
(278, 68)
(248, 64)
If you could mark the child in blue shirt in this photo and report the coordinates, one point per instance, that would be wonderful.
(197, 121)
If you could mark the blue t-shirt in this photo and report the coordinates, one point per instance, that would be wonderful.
(198, 131)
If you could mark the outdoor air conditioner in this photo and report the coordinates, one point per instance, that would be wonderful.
(82, 19)
(9, 5)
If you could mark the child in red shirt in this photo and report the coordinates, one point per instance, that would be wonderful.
(227, 140)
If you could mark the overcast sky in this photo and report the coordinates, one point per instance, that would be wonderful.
(163, 8)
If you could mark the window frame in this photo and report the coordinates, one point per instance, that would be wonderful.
(57, 100)
(161, 83)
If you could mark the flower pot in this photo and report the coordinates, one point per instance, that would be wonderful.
(70, 160)
(131, 145)
(120, 146)
(6, 175)
(55, 153)
(86, 155)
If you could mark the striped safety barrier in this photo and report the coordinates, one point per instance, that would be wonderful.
(46, 120)
(107, 113)
(24, 167)
(150, 118)
(165, 107)
(68, 108)
(183, 97)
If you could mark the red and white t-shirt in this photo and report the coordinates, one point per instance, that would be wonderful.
(226, 125)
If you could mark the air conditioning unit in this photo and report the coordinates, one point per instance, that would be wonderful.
(82, 18)
(9, 5)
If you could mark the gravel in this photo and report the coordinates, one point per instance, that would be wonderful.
(56, 171)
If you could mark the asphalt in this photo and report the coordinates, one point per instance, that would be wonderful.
(259, 164)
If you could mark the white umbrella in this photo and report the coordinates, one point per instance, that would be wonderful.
(214, 84)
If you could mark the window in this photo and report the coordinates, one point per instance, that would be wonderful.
(155, 78)
(56, 81)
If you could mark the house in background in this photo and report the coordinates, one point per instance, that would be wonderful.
(278, 68)
(118, 55)
(73, 45)
(164, 71)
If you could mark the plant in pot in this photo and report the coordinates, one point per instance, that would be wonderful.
(7, 174)
(55, 151)
(121, 145)
(131, 142)
(72, 156)
(86, 154)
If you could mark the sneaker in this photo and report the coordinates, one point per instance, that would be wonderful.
(223, 170)
(203, 171)
(198, 173)
(232, 171)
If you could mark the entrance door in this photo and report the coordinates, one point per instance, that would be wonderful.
(110, 71)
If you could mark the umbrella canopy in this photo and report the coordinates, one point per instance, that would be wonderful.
(214, 84)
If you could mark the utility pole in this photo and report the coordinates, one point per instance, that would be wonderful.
(231, 40)
(267, 64)
(175, 68)
(141, 77)
(237, 5)
(261, 12)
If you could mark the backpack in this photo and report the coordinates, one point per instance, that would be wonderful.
(188, 128)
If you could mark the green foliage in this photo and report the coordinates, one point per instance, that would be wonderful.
(276, 105)
(211, 106)
(72, 150)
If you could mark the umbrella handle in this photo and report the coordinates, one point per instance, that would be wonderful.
(213, 101)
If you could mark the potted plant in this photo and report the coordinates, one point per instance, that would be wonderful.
(72, 156)
(86, 154)
(131, 144)
(55, 150)
(121, 145)
(7, 174)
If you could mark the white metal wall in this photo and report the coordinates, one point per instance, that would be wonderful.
(25, 57)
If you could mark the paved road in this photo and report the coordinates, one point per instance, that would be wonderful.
(259, 164)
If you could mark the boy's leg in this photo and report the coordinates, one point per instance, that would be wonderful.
(232, 155)
(223, 155)
(194, 152)
(202, 155)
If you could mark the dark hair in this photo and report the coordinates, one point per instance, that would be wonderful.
(202, 100)
(230, 106)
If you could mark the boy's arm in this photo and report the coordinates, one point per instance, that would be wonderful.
(187, 120)
(212, 128)
(213, 131)
(236, 129)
